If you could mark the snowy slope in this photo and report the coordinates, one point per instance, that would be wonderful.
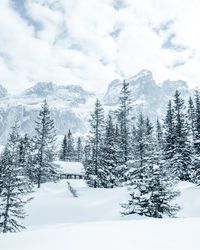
(140, 235)
(93, 221)
(54, 203)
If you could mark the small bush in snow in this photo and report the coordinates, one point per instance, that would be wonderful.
(72, 190)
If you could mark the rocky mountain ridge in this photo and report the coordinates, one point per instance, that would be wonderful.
(147, 96)
(71, 105)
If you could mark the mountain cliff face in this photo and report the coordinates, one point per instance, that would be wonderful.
(70, 108)
(70, 94)
(147, 96)
(71, 105)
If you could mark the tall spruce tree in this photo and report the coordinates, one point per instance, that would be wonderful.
(63, 153)
(79, 150)
(26, 157)
(191, 120)
(93, 165)
(195, 175)
(120, 169)
(124, 121)
(159, 145)
(169, 139)
(109, 155)
(197, 120)
(44, 146)
(139, 167)
(151, 190)
(140, 142)
(14, 185)
(159, 134)
(70, 156)
(182, 148)
(149, 141)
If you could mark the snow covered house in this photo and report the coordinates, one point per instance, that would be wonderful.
(70, 170)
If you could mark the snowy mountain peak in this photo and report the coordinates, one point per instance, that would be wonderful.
(146, 95)
(62, 92)
(70, 106)
(42, 89)
(143, 74)
(141, 85)
(57, 95)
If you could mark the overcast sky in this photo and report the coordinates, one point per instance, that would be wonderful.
(92, 42)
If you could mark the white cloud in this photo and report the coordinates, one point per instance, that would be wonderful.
(73, 41)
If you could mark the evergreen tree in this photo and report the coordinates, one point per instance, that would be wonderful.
(70, 156)
(182, 149)
(109, 155)
(63, 155)
(93, 165)
(26, 159)
(121, 168)
(159, 145)
(79, 150)
(151, 189)
(191, 119)
(169, 139)
(152, 196)
(149, 141)
(15, 185)
(124, 121)
(44, 146)
(195, 175)
(87, 153)
(140, 143)
(159, 135)
(197, 119)
(139, 167)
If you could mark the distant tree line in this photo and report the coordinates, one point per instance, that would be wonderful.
(71, 151)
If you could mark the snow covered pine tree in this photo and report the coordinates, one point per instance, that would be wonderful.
(44, 146)
(79, 150)
(109, 155)
(181, 160)
(14, 185)
(95, 174)
(151, 190)
(63, 153)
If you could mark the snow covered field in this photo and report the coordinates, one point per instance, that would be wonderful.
(92, 221)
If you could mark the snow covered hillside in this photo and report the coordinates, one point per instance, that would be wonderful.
(93, 221)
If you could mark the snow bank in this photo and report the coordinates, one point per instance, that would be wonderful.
(93, 222)
(174, 234)
(54, 204)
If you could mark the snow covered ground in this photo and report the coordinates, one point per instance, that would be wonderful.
(55, 204)
(93, 221)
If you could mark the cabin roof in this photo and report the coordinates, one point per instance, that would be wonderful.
(75, 168)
